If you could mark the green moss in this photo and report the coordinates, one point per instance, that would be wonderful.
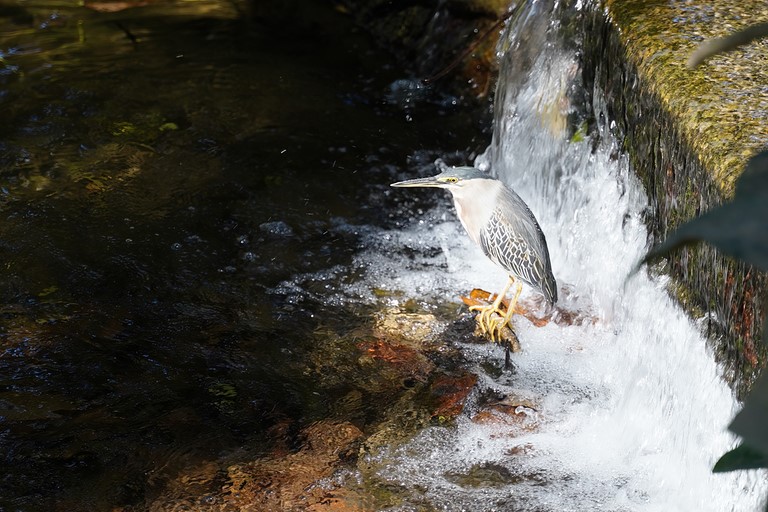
(720, 106)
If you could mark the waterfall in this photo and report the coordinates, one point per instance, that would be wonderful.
(630, 407)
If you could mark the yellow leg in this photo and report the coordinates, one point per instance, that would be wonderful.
(498, 324)
(486, 312)
(512, 306)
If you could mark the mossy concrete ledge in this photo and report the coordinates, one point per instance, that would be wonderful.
(689, 134)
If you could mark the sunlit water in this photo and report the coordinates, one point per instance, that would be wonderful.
(153, 193)
(631, 410)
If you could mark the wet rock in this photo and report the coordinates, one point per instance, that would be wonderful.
(291, 483)
(437, 402)
(406, 361)
(512, 410)
(416, 329)
(298, 481)
(517, 417)
(483, 475)
(407, 344)
(450, 393)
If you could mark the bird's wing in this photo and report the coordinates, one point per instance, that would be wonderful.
(513, 239)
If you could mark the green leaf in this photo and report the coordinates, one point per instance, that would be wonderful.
(754, 179)
(737, 228)
(712, 47)
(751, 423)
(741, 457)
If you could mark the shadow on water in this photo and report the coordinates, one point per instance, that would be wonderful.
(162, 171)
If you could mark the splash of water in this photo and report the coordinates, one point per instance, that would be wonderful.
(630, 410)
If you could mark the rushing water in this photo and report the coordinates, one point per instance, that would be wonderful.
(630, 407)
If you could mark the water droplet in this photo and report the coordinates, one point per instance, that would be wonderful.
(278, 228)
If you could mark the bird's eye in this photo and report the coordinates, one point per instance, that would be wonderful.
(451, 180)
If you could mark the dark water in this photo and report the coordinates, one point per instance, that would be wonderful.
(162, 171)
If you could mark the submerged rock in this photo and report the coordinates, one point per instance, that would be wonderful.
(509, 411)
(299, 481)
(402, 374)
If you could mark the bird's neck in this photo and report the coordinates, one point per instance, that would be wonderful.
(474, 205)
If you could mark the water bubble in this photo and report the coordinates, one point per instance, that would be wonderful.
(276, 228)
(208, 500)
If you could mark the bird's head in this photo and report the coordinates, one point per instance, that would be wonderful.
(452, 178)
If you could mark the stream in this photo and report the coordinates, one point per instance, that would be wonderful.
(196, 225)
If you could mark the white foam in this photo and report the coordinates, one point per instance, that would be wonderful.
(632, 411)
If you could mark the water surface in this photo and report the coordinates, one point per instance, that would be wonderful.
(163, 170)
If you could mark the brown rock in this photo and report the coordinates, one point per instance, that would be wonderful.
(451, 393)
(407, 361)
(509, 411)
(292, 483)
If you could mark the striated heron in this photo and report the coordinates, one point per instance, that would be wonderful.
(500, 222)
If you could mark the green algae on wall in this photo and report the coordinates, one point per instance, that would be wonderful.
(721, 106)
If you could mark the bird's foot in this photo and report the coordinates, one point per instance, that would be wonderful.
(491, 324)
(491, 321)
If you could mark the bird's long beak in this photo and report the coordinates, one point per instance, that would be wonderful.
(419, 182)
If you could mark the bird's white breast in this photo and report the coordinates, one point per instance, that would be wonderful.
(474, 203)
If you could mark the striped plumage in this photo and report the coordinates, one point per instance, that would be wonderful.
(513, 240)
(500, 222)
